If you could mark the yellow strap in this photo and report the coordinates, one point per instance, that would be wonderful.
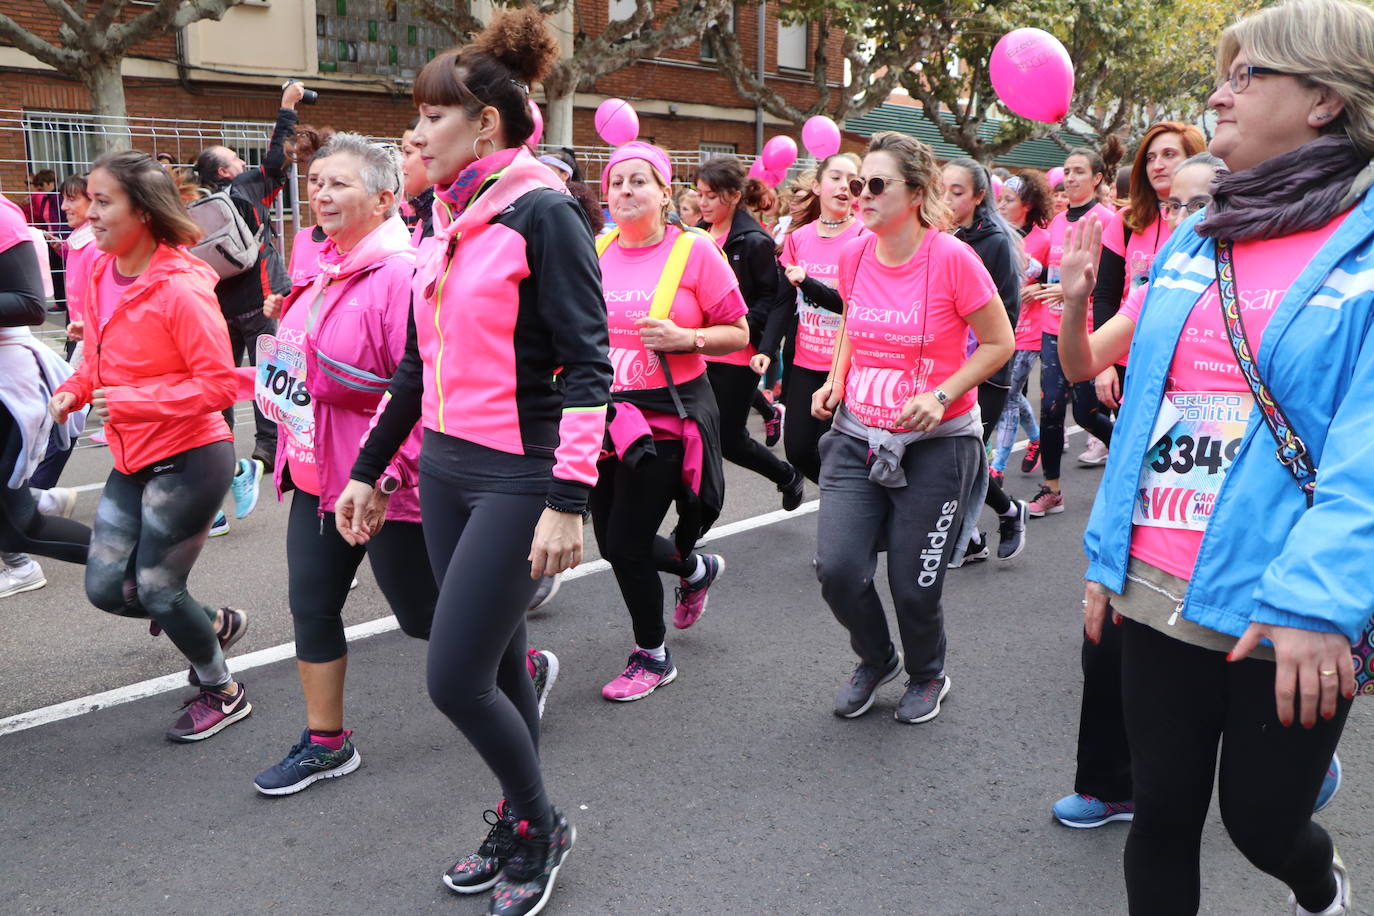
(671, 278)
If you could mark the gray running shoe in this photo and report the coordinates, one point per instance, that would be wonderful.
(921, 702)
(855, 697)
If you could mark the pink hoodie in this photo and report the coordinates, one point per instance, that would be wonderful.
(355, 346)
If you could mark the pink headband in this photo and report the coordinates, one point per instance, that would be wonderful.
(636, 149)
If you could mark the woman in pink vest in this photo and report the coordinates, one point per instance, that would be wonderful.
(671, 299)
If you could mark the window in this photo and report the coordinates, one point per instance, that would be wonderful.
(711, 150)
(62, 142)
(709, 51)
(792, 46)
(621, 10)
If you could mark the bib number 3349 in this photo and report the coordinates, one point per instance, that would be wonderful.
(1183, 471)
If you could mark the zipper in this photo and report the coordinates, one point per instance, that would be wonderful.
(1178, 609)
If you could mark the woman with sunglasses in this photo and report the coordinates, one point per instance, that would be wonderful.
(1084, 171)
(1136, 233)
(726, 197)
(905, 452)
(1241, 569)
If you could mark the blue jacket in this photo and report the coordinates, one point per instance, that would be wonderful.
(1266, 557)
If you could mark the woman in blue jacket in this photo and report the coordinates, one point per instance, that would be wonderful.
(1242, 591)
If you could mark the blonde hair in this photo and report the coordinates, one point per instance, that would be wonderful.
(920, 171)
(1323, 42)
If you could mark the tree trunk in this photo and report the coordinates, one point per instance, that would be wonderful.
(558, 118)
(106, 86)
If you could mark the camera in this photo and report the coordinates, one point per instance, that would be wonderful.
(310, 96)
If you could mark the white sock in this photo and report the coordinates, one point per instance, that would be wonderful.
(1330, 907)
(699, 573)
(1015, 509)
(658, 655)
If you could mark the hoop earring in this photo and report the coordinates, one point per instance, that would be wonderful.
(477, 140)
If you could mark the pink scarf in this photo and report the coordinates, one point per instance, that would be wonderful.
(471, 179)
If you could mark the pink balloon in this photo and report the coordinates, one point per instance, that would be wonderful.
(1032, 73)
(616, 122)
(538, 134)
(1055, 176)
(821, 137)
(757, 170)
(772, 178)
(779, 153)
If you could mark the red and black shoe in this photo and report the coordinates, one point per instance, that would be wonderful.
(527, 882)
(480, 871)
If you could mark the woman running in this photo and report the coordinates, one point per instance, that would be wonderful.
(1206, 540)
(1084, 171)
(333, 354)
(671, 299)
(511, 380)
(1025, 202)
(79, 252)
(1137, 233)
(905, 451)
(974, 219)
(811, 257)
(157, 371)
(726, 197)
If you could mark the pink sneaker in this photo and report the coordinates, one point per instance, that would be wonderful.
(209, 712)
(1046, 502)
(641, 677)
(691, 599)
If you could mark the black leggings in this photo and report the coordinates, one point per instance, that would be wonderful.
(628, 505)
(801, 436)
(991, 400)
(734, 387)
(23, 529)
(478, 542)
(321, 565)
(149, 530)
(1180, 701)
(1055, 394)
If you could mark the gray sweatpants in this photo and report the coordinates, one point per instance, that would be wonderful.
(919, 522)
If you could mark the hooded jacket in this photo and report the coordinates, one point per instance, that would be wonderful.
(995, 250)
(509, 349)
(163, 359)
(358, 340)
(752, 254)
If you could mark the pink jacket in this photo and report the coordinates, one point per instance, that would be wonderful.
(356, 344)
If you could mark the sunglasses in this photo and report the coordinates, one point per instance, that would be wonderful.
(876, 185)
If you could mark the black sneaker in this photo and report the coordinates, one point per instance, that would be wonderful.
(921, 702)
(526, 884)
(793, 491)
(1011, 532)
(856, 696)
(978, 551)
(772, 429)
(481, 870)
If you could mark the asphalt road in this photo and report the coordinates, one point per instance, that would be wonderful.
(732, 791)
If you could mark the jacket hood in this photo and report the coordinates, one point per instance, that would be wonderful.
(390, 238)
(167, 263)
(524, 174)
(980, 230)
(743, 224)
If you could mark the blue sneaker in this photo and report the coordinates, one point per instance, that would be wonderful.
(307, 763)
(220, 526)
(1085, 811)
(1330, 785)
(247, 480)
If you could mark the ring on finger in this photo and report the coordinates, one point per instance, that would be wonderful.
(1327, 673)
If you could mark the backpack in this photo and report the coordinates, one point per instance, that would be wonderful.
(227, 243)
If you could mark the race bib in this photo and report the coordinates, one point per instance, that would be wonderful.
(279, 389)
(1197, 435)
(817, 329)
(876, 396)
(634, 369)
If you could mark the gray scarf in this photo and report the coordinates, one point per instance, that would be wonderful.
(1296, 192)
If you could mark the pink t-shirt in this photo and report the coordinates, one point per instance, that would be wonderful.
(1210, 403)
(1131, 307)
(708, 295)
(13, 227)
(81, 254)
(111, 286)
(1037, 245)
(907, 324)
(300, 443)
(816, 327)
(1030, 319)
(1058, 229)
(741, 356)
(305, 256)
(1138, 251)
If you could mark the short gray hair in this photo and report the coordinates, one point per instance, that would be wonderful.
(1215, 163)
(380, 163)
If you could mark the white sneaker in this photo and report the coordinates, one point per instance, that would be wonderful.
(1341, 906)
(57, 501)
(17, 579)
(1095, 454)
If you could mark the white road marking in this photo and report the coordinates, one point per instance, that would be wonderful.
(169, 682)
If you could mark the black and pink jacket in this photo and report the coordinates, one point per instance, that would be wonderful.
(508, 343)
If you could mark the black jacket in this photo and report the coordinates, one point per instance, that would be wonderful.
(253, 192)
(995, 250)
(753, 258)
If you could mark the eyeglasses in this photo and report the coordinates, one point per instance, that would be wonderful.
(1171, 207)
(1240, 79)
(876, 185)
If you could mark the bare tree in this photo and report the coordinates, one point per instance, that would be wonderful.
(91, 47)
(647, 33)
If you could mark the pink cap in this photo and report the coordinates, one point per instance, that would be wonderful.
(637, 149)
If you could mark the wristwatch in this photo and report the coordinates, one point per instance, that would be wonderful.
(388, 484)
(941, 396)
(701, 340)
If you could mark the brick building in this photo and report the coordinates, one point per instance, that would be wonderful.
(219, 82)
